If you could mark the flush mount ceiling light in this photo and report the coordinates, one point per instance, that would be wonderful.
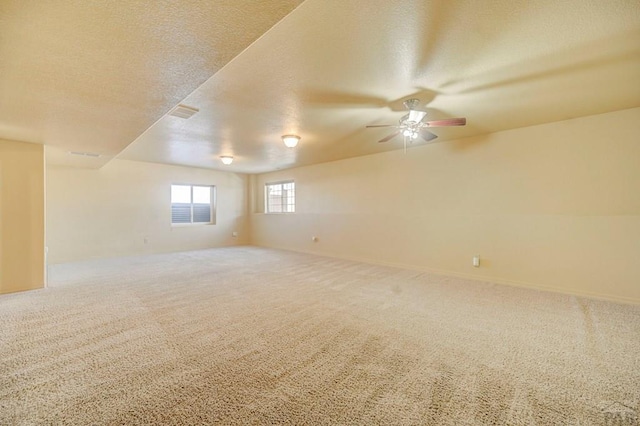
(226, 159)
(291, 140)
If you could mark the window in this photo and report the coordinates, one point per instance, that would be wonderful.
(280, 197)
(193, 204)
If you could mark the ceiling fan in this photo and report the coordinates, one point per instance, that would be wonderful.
(412, 125)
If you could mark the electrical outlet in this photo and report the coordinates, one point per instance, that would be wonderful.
(234, 234)
(476, 261)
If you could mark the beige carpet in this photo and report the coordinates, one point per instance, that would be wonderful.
(256, 336)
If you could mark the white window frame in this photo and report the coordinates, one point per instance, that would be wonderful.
(212, 204)
(266, 196)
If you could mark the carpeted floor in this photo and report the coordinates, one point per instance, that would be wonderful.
(256, 336)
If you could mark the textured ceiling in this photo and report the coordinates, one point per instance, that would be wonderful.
(92, 75)
(96, 78)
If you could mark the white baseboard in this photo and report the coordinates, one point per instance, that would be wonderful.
(512, 283)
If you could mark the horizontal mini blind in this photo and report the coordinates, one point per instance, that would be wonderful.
(180, 213)
(201, 213)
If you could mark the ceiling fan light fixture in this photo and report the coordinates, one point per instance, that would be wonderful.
(291, 140)
(412, 125)
(410, 133)
(226, 159)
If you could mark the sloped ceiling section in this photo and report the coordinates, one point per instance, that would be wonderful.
(95, 76)
(91, 75)
(334, 66)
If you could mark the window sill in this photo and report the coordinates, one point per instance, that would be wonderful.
(188, 225)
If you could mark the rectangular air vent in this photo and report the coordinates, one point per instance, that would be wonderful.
(85, 154)
(183, 111)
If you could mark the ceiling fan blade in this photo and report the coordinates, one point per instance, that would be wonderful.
(382, 125)
(446, 122)
(388, 138)
(427, 135)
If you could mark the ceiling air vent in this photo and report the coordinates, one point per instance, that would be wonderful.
(183, 111)
(85, 154)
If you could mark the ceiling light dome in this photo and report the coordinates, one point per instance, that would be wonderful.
(226, 159)
(291, 140)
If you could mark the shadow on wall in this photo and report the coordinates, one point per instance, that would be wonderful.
(470, 143)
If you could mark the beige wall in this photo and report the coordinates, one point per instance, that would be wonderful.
(554, 206)
(111, 211)
(21, 216)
